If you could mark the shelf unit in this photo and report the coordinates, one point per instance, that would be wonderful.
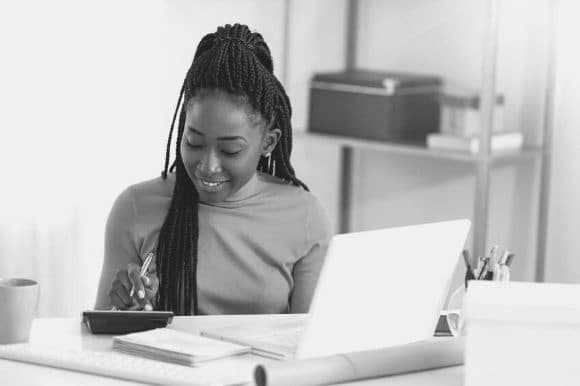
(482, 162)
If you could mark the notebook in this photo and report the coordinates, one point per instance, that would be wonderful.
(175, 346)
(377, 289)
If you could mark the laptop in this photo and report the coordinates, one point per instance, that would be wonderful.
(377, 289)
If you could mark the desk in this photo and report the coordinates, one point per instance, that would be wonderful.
(70, 333)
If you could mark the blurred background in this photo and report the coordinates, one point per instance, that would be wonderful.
(88, 88)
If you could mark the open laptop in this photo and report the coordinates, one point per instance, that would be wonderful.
(377, 289)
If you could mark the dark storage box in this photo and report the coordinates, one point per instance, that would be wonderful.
(384, 106)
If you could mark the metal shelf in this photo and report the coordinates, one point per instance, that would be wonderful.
(481, 162)
(417, 150)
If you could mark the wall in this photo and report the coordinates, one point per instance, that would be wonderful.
(88, 91)
(79, 93)
(563, 264)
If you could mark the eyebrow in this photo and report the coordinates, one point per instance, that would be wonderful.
(226, 138)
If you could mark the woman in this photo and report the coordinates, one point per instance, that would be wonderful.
(232, 228)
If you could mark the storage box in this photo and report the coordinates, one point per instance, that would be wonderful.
(461, 113)
(522, 334)
(382, 106)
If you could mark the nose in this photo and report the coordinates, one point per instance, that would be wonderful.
(209, 164)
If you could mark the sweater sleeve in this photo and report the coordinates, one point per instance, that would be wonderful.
(307, 268)
(120, 247)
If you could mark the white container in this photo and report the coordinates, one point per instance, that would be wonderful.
(461, 113)
(522, 334)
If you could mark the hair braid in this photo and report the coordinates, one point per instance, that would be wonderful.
(235, 60)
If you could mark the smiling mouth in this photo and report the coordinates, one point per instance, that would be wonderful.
(211, 184)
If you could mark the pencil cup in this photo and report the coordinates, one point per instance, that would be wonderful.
(454, 315)
(18, 305)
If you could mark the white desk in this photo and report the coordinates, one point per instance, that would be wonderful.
(70, 333)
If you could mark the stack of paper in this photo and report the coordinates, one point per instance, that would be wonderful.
(498, 142)
(175, 346)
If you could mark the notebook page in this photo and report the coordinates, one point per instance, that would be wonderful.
(167, 343)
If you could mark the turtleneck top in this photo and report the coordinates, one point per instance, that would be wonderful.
(259, 252)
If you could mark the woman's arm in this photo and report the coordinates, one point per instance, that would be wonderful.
(307, 268)
(120, 247)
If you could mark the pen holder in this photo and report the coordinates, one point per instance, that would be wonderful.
(455, 304)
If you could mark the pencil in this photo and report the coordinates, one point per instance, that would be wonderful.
(143, 271)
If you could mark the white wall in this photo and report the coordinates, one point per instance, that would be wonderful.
(563, 264)
(88, 91)
(80, 109)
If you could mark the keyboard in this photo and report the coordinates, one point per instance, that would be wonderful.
(108, 363)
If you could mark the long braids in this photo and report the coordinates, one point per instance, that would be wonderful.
(237, 61)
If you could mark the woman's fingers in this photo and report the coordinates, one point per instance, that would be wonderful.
(130, 291)
(122, 293)
(123, 278)
(151, 288)
(151, 282)
(134, 272)
(117, 302)
(135, 307)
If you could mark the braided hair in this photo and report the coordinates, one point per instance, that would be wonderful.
(237, 61)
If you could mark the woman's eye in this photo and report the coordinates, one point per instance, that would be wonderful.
(194, 145)
(230, 152)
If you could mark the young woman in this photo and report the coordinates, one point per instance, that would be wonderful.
(232, 229)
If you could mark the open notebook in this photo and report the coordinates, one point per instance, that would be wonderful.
(176, 346)
(377, 289)
(276, 336)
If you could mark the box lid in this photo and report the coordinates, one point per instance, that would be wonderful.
(382, 81)
(522, 302)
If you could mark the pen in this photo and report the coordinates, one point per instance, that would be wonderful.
(479, 266)
(493, 257)
(483, 271)
(509, 258)
(496, 272)
(505, 268)
(493, 251)
(504, 273)
(143, 271)
(469, 275)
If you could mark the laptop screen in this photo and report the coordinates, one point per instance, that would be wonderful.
(382, 288)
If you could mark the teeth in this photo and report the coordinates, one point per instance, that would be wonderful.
(210, 184)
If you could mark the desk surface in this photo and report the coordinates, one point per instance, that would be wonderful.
(70, 333)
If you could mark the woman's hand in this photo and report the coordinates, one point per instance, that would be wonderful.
(144, 293)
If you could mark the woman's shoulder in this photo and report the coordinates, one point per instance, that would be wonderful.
(154, 187)
(283, 189)
(284, 195)
(148, 194)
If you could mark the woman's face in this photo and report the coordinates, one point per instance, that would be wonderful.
(221, 146)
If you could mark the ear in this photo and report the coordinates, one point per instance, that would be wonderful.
(270, 140)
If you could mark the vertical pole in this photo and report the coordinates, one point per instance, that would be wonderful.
(546, 148)
(351, 34)
(286, 43)
(345, 203)
(346, 152)
(487, 102)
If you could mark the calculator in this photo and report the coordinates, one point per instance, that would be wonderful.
(124, 322)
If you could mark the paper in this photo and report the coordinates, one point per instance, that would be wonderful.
(272, 337)
(175, 346)
(425, 355)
